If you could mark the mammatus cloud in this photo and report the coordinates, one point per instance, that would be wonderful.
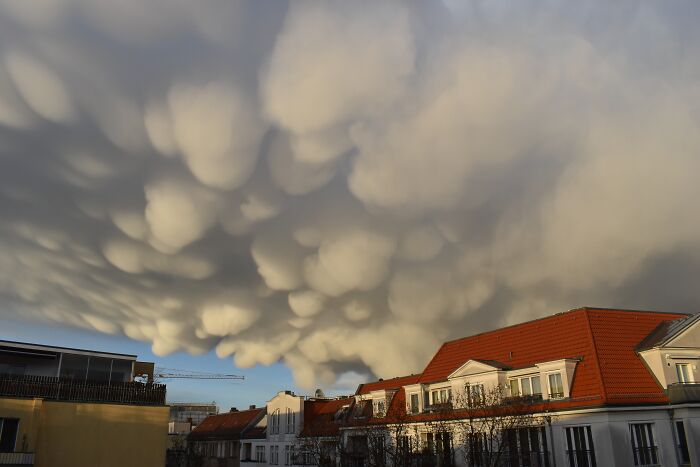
(344, 185)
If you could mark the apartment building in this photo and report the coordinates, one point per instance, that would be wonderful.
(77, 407)
(604, 388)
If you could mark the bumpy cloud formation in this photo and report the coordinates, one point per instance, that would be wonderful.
(344, 185)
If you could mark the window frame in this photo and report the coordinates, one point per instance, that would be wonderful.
(480, 393)
(260, 453)
(291, 421)
(518, 382)
(411, 406)
(643, 437)
(444, 395)
(681, 439)
(13, 445)
(550, 393)
(688, 378)
(573, 440)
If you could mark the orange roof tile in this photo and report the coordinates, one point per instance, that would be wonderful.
(393, 383)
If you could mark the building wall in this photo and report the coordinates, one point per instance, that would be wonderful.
(68, 434)
(284, 437)
(611, 435)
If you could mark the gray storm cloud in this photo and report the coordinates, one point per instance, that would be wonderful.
(344, 185)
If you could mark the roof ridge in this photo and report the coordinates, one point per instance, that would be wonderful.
(561, 313)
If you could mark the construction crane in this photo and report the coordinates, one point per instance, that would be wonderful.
(161, 373)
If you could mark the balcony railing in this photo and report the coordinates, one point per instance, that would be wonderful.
(16, 458)
(646, 457)
(683, 392)
(68, 389)
(581, 458)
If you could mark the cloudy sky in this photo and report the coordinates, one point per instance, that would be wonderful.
(341, 186)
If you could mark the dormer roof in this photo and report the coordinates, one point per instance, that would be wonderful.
(668, 331)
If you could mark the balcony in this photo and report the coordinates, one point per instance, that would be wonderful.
(683, 392)
(16, 458)
(68, 389)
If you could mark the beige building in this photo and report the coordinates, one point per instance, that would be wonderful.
(71, 407)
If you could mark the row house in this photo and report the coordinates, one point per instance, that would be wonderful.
(221, 440)
(280, 434)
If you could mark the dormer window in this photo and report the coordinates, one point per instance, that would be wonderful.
(441, 396)
(415, 405)
(379, 407)
(683, 371)
(475, 395)
(526, 386)
(556, 387)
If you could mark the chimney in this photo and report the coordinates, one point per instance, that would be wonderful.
(252, 407)
(233, 409)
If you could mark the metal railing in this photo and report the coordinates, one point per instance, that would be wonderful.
(646, 456)
(581, 458)
(16, 458)
(68, 389)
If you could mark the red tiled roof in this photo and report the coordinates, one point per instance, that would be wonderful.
(393, 383)
(320, 416)
(228, 425)
(257, 432)
(609, 371)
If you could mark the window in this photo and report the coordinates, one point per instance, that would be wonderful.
(260, 453)
(8, 434)
(682, 443)
(99, 369)
(74, 366)
(441, 396)
(556, 388)
(526, 386)
(475, 395)
(287, 455)
(291, 420)
(579, 447)
(683, 370)
(415, 406)
(644, 448)
(379, 407)
(274, 455)
(275, 422)
(526, 447)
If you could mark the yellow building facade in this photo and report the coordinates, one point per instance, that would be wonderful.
(79, 434)
(101, 419)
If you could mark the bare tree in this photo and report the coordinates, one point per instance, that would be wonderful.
(495, 430)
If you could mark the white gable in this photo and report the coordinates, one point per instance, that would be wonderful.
(472, 367)
(688, 337)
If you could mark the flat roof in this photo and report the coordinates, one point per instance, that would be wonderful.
(70, 350)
